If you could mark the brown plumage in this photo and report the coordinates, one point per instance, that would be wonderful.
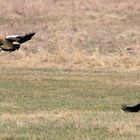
(12, 42)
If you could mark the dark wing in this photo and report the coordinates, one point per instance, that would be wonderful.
(20, 38)
(25, 38)
(135, 108)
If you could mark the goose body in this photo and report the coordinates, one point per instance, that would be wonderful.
(12, 42)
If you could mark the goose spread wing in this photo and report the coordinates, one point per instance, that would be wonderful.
(20, 38)
(135, 108)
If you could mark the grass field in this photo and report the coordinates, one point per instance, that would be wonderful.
(81, 33)
(41, 104)
(69, 81)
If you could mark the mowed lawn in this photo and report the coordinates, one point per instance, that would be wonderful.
(48, 104)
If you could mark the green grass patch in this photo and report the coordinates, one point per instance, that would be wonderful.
(51, 104)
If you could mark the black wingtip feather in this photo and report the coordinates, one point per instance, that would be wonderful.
(135, 108)
(27, 37)
(30, 34)
(125, 108)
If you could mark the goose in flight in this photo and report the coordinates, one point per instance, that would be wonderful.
(135, 108)
(12, 42)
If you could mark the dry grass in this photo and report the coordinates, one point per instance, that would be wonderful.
(73, 34)
(39, 102)
(79, 120)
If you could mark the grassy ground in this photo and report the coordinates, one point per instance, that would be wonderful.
(42, 104)
(53, 86)
(73, 33)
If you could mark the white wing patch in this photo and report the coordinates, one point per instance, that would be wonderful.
(12, 36)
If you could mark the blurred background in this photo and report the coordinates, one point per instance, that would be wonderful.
(73, 34)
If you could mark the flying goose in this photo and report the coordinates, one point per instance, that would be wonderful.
(12, 42)
(135, 108)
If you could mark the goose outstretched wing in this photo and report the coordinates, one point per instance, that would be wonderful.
(20, 38)
(135, 108)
